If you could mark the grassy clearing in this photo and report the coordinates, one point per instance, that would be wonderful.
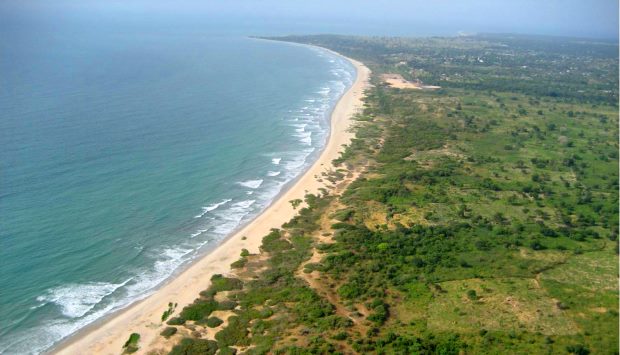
(501, 304)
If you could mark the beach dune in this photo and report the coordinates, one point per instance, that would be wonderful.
(144, 317)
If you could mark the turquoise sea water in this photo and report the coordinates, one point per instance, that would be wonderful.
(123, 157)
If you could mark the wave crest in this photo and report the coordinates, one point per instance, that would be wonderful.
(252, 184)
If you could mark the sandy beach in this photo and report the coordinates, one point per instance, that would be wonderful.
(144, 317)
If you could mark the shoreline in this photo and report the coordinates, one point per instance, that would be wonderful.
(107, 335)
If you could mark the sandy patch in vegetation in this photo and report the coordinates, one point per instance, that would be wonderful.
(397, 81)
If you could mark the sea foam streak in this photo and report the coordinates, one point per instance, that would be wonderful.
(276, 161)
(252, 184)
(305, 137)
(77, 302)
(197, 233)
(77, 299)
(300, 127)
(233, 216)
(166, 261)
(273, 173)
(212, 207)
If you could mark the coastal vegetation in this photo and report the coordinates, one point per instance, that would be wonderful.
(169, 311)
(478, 217)
(131, 345)
(168, 332)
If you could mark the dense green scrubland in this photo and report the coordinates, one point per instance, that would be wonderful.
(484, 218)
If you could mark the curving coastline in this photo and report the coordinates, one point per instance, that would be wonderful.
(144, 317)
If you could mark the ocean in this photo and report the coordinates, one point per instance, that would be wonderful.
(124, 156)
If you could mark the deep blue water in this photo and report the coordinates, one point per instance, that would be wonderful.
(125, 155)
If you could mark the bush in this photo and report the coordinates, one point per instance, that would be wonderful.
(195, 347)
(273, 242)
(344, 215)
(221, 283)
(227, 351)
(226, 305)
(168, 332)
(340, 336)
(350, 291)
(472, 295)
(176, 321)
(198, 310)
(239, 263)
(265, 313)
(169, 311)
(295, 203)
(380, 314)
(213, 322)
(578, 349)
(235, 333)
(131, 345)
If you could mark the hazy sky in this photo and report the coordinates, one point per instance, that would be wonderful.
(580, 18)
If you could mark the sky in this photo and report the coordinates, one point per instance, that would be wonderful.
(574, 18)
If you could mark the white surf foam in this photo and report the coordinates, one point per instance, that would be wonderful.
(324, 91)
(166, 261)
(276, 161)
(305, 137)
(38, 339)
(301, 127)
(198, 232)
(273, 173)
(242, 205)
(232, 217)
(75, 300)
(303, 134)
(212, 207)
(252, 184)
(294, 165)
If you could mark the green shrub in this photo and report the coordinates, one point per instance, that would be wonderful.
(310, 267)
(344, 215)
(227, 351)
(226, 305)
(168, 332)
(169, 311)
(577, 349)
(213, 322)
(472, 295)
(131, 345)
(176, 321)
(198, 310)
(220, 283)
(295, 203)
(235, 333)
(265, 313)
(239, 263)
(189, 346)
(340, 336)
(273, 242)
(380, 314)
